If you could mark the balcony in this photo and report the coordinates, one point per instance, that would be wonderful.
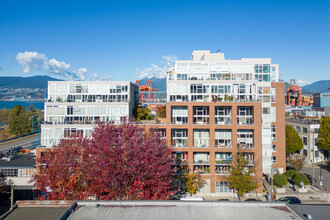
(202, 169)
(222, 170)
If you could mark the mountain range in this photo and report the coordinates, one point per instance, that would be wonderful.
(158, 83)
(31, 82)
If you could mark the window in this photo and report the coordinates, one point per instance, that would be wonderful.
(201, 162)
(305, 140)
(201, 138)
(222, 138)
(223, 115)
(265, 110)
(159, 132)
(273, 132)
(182, 77)
(9, 172)
(274, 159)
(201, 115)
(220, 89)
(179, 115)
(245, 115)
(222, 187)
(223, 158)
(179, 138)
(305, 130)
(274, 148)
(297, 128)
(245, 138)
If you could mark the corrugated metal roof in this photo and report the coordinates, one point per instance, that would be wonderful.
(171, 210)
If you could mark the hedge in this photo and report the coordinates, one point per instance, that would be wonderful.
(290, 173)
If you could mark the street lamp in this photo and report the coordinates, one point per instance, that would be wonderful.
(38, 127)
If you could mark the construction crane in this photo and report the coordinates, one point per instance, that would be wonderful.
(146, 91)
(294, 94)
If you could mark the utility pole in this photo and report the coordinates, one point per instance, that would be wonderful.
(271, 184)
(12, 195)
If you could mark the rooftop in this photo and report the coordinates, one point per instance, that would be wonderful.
(145, 210)
(302, 121)
(18, 161)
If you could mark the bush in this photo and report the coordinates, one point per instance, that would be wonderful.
(280, 180)
(290, 173)
(300, 177)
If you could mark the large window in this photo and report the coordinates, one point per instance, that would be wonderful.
(201, 115)
(222, 187)
(202, 162)
(305, 130)
(222, 138)
(220, 89)
(201, 138)
(305, 141)
(245, 139)
(245, 115)
(179, 138)
(179, 115)
(222, 115)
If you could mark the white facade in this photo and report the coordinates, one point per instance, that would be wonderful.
(76, 107)
(209, 75)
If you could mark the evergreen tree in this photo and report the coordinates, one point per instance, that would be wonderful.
(324, 134)
(293, 141)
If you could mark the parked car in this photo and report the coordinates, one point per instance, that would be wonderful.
(290, 199)
(310, 178)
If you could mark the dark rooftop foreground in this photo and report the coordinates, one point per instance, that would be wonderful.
(24, 160)
(36, 213)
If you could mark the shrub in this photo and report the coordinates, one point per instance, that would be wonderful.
(290, 173)
(280, 180)
(300, 177)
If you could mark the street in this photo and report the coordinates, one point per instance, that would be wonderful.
(325, 173)
(23, 142)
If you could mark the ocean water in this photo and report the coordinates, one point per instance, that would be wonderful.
(11, 104)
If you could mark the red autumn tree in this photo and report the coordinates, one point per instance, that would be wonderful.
(119, 162)
(61, 171)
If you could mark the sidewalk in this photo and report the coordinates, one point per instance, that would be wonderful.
(314, 195)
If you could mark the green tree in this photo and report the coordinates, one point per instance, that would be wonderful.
(300, 177)
(192, 182)
(188, 182)
(280, 180)
(293, 141)
(241, 179)
(161, 111)
(141, 113)
(20, 120)
(324, 134)
(290, 174)
(4, 116)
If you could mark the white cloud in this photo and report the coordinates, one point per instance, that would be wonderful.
(302, 82)
(82, 73)
(96, 77)
(31, 61)
(38, 61)
(156, 70)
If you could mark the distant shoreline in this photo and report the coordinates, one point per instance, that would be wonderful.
(8, 104)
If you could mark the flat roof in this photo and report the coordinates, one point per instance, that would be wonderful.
(171, 210)
(23, 161)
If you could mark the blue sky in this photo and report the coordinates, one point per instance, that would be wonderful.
(124, 39)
